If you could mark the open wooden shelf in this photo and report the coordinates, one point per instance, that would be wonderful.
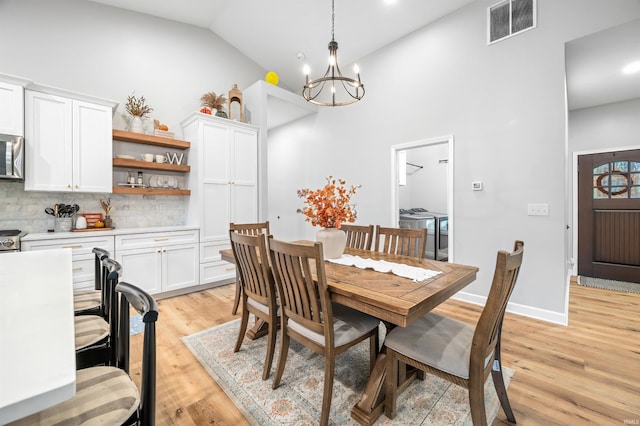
(147, 165)
(122, 135)
(149, 191)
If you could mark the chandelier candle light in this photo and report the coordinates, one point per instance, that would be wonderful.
(352, 90)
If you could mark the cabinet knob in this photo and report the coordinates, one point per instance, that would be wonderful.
(159, 251)
(69, 186)
(77, 187)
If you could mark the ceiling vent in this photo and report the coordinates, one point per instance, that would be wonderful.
(510, 17)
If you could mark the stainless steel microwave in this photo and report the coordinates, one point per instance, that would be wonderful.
(11, 157)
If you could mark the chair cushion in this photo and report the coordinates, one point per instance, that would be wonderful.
(259, 306)
(90, 329)
(86, 299)
(104, 396)
(348, 325)
(437, 341)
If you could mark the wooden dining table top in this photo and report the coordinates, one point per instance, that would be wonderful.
(389, 297)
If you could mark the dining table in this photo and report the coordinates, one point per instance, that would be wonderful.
(395, 300)
(37, 338)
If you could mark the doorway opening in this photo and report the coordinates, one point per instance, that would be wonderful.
(422, 192)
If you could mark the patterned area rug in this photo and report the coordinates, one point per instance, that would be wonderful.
(601, 283)
(136, 326)
(298, 399)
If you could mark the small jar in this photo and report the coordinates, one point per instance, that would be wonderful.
(139, 178)
(130, 179)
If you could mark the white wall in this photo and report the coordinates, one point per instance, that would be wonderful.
(426, 187)
(103, 51)
(505, 106)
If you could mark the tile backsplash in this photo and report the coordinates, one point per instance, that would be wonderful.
(24, 210)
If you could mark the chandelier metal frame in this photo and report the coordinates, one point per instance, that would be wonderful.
(333, 76)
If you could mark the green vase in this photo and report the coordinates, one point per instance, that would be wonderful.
(221, 114)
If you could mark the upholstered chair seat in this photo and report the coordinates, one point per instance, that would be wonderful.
(89, 330)
(84, 300)
(438, 341)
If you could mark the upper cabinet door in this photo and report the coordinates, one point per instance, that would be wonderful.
(68, 144)
(92, 148)
(11, 109)
(48, 134)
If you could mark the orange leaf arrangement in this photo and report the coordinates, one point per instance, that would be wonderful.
(329, 206)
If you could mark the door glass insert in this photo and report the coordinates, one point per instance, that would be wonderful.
(616, 180)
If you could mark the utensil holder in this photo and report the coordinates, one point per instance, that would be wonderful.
(62, 224)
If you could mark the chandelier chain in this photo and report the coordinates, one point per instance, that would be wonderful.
(333, 19)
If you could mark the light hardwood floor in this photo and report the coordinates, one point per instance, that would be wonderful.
(585, 373)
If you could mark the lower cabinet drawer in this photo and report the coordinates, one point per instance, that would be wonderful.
(83, 268)
(210, 252)
(78, 246)
(212, 272)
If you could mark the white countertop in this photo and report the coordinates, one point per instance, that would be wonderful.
(118, 231)
(37, 360)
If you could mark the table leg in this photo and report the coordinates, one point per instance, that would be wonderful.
(371, 405)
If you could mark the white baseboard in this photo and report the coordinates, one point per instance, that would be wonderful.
(515, 308)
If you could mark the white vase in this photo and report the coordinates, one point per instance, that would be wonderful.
(333, 242)
(136, 125)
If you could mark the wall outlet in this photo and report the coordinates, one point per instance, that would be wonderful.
(538, 209)
(476, 186)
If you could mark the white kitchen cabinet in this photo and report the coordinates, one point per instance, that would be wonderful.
(69, 145)
(159, 262)
(11, 108)
(224, 186)
(81, 252)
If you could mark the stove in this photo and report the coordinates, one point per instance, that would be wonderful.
(10, 240)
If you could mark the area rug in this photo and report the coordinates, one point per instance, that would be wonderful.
(601, 283)
(298, 399)
(136, 326)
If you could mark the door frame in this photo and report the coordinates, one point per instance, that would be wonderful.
(574, 209)
(395, 214)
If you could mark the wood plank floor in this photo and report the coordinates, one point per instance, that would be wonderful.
(585, 373)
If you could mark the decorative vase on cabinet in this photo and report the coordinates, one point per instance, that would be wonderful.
(333, 242)
(136, 125)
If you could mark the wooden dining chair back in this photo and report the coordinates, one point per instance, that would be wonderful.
(358, 236)
(308, 315)
(403, 241)
(247, 229)
(250, 228)
(258, 289)
(456, 351)
(91, 302)
(107, 394)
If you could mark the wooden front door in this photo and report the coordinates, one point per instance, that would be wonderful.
(609, 215)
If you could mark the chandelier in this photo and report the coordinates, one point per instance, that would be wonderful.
(342, 90)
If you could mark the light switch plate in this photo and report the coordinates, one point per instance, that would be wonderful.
(538, 209)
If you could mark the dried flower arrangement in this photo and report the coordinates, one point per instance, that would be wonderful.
(137, 107)
(106, 206)
(213, 101)
(329, 206)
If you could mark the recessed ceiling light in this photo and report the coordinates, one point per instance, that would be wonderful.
(390, 1)
(632, 68)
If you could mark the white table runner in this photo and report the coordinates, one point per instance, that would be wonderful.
(412, 272)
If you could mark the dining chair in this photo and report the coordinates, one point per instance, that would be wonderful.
(95, 335)
(107, 394)
(403, 241)
(308, 315)
(90, 302)
(258, 289)
(455, 351)
(358, 236)
(247, 229)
